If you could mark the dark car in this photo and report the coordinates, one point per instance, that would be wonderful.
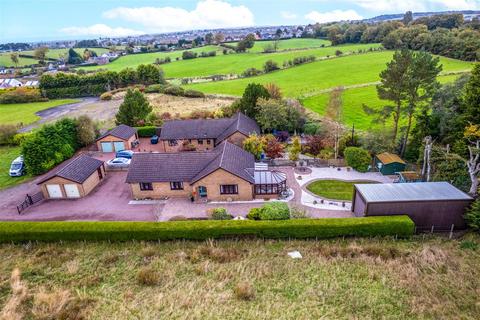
(127, 154)
(154, 139)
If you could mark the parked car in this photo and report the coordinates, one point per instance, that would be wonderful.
(154, 139)
(17, 168)
(119, 163)
(127, 154)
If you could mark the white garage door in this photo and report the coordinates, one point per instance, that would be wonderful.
(54, 191)
(119, 146)
(106, 146)
(71, 190)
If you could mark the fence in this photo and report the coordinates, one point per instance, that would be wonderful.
(319, 163)
(29, 200)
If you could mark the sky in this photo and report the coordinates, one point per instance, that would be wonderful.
(35, 20)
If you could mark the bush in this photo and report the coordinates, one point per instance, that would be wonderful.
(106, 96)
(189, 55)
(401, 226)
(193, 94)
(21, 95)
(473, 215)
(275, 211)
(7, 134)
(174, 91)
(254, 214)
(251, 72)
(20, 137)
(357, 158)
(270, 66)
(147, 131)
(219, 214)
(155, 88)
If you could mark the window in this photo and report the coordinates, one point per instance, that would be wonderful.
(208, 141)
(172, 143)
(176, 185)
(228, 189)
(200, 141)
(146, 186)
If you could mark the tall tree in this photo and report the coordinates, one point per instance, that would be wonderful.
(209, 38)
(134, 109)
(471, 100)
(248, 102)
(219, 37)
(40, 54)
(407, 18)
(14, 58)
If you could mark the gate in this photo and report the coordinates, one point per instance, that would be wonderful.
(29, 200)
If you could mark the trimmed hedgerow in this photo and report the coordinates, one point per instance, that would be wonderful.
(400, 226)
(147, 131)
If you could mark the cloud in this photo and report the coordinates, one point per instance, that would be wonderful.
(100, 30)
(288, 15)
(208, 14)
(335, 15)
(394, 6)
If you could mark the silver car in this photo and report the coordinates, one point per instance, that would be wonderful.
(119, 163)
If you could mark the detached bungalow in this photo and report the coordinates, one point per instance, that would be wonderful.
(73, 179)
(206, 134)
(226, 173)
(119, 138)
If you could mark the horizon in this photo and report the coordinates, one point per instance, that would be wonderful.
(114, 19)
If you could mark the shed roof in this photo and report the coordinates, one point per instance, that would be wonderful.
(421, 191)
(77, 169)
(122, 131)
(387, 158)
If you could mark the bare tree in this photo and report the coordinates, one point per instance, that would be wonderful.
(426, 169)
(473, 164)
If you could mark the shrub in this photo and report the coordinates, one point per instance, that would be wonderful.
(21, 95)
(147, 131)
(202, 230)
(254, 214)
(270, 66)
(155, 88)
(473, 215)
(357, 158)
(275, 211)
(174, 90)
(20, 137)
(244, 291)
(148, 276)
(7, 134)
(219, 214)
(251, 72)
(189, 55)
(106, 96)
(193, 94)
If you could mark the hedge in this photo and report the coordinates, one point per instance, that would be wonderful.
(147, 131)
(400, 226)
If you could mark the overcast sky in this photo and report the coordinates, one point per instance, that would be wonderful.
(32, 20)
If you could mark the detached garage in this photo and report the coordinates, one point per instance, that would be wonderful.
(74, 179)
(437, 204)
(117, 139)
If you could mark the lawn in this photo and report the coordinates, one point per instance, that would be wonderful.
(52, 53)
(419, 278)
(24, 113)
(7, 155)
(295, 44)
(311, 77)
(334, 189)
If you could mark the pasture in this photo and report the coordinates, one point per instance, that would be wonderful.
(5, 60)
(290, 44)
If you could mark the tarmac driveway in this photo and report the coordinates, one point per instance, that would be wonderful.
(107, 202)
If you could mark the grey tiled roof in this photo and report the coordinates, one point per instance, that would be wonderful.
(121, 131)
(77, 169)
(219, 129)
(190, 166)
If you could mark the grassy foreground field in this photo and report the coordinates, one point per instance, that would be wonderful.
(24, 113)
(250, 279)
(7, 154)
(311, 77)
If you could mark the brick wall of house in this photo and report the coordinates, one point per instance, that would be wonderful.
(198, 147)
(160, 190)
(219, 177)
(92, 181)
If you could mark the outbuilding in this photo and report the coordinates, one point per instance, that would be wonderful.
(73, 179)
(389, 163)
(429, 204)
(117, 139)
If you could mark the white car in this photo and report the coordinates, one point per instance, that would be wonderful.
(119, 163)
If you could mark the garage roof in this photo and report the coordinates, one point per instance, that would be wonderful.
(420, 191)
(77, 169)
(122, 131)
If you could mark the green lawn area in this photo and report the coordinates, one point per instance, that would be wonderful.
(52, 53)
(24, 113)
(5, 61)
(311, 77)
(295, 43)
(334, 189)
(7, 155)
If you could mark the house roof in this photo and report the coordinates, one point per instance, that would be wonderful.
(401, 192)
(190, 166)
(219, 129)
(122, 131)
(387, 158)
(77, 169)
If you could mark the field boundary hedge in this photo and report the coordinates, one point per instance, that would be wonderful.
(401, 226)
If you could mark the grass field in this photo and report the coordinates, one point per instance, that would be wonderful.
(430, 278)
(311, 77)
(334, 189)
(296, 43)
(24, 113)
(7, 155)
(5, 60)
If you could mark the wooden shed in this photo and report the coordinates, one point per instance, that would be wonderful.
(389, 163)
(437, 204)
(73, 179)
(117, 139)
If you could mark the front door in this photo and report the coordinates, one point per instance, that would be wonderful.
(119, 146)
(202, 191)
